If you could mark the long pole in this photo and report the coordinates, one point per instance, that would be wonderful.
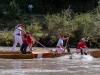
(41, 44)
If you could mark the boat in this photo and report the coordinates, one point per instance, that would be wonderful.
(15, 55)
(95, 54)
(33, 54)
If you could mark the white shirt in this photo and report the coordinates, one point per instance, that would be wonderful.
(17, 31)
(60, 41)
(30, 6)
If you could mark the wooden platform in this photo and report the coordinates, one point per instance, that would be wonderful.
(19, 55)
(95, 54)
(15, 55)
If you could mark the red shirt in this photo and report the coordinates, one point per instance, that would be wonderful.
(81, 44)
(27, 39)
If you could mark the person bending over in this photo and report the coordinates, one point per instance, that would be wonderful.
(81, 47)
(27, 41)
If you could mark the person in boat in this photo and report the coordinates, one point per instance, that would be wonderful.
(33, 42)
(27, 42)
(17, 36)
(81, 47)
(59, 47)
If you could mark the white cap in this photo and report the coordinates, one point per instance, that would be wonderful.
(83, 39)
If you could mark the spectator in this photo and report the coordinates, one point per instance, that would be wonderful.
(30, 7)
(70, 11)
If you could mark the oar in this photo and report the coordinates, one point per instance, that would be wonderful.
(66, 44)
(68, 50)
(87, 47)
(42, 45)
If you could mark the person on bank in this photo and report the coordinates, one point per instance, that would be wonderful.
(30, 7)
(70, 10)
(59, 47)
(17, 36)
(81, 47)
(27, 41)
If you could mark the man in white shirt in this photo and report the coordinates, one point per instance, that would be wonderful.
(17, 36)
(59, 46)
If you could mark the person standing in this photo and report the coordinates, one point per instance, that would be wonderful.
(59, 47)
(70, 10)
(81, 47)
(17, 36)
(27, 41)
(30, 7)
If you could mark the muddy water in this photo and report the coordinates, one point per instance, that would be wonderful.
(50, 66)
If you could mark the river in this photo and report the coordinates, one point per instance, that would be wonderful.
(50, 66)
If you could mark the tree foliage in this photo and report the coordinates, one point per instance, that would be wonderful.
(47, 27)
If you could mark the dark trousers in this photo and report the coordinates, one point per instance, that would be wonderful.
(68, 49)
(23, 48)
(83, 53)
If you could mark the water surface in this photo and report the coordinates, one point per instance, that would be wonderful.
(50, 66)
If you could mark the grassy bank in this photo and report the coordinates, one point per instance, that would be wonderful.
(47, 28)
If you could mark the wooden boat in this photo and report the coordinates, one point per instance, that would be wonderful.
(15, 55)
(19, 55)
(95, 54)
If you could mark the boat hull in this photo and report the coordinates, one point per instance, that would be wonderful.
(15, 55)
(47, 55)
(19, 55)
(95, 54)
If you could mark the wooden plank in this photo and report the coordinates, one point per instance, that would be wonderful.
(95, 54)
(16, 56)
(19, 55)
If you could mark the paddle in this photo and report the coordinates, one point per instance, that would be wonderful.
(42, 45)
(67, 47)
(87, 47)
(66, 43)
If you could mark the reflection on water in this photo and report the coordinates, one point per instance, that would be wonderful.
(51, 66)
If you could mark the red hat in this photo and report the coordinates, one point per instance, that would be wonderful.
(19, 25)
(61, 35)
